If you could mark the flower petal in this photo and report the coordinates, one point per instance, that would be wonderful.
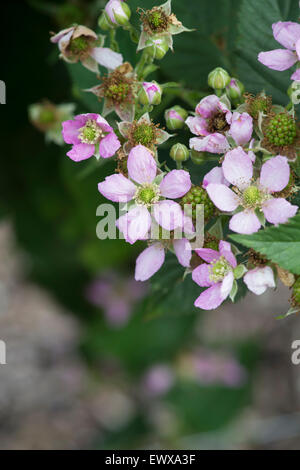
(278, 210)
(70, 130)
(175, 184)
(241, 128)
(259, 279)
(183, 251)
(200, 275)
(215, 175)
(227, 285)
(117, 188)
(135, 224)
(286, 33)
(222, 197)
(207, 254)
(213, 143)
(149, 262)
(211, 298)
(245, 222)
(275, 174)
(141, 165)
(208, 106)
(168, 214)
(109, 145)
(225, 250)
(197, 125)
(81, 152)
(237, 168)
(107, 58)
(278, 59)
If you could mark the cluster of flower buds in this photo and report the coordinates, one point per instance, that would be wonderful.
(252, 143)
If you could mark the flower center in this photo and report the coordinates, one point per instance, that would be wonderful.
(90, 133)
(218, 269)
(117, 87)
(147, 194)
(155, 20)
(281, 130)
(46, 116)
(80, 47)
(218, 123)
(144, 134)
(252, 197)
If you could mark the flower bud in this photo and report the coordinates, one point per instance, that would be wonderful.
(104, 22)
(150, 93)
(179, 152)
(157, 47)
(198, 157)
(218, 78)
(118, 12)
(235, 90)
(175, 117)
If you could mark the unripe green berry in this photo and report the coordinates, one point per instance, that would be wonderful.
(198, 195)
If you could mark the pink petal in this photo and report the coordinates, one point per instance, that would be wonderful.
(117, 188)
(286, 33)
(168, 214)
(207, 254)
(103, 124)
(107, 58)
(70, 130)
(259, 279)
(197, 125)
(227, 284)
(241, 128)
(200, 275)
(215, 175)
(296, 75)
(141, 165)
(278, 59)
(57, 37)
(211, 298)
(298, 48)
(278, 210)
(109, 145)
(149, 262)
(225, 250)
(135, 224)
(208, 106)
(213, 143)
(175, 184)
(81, 152)
(275, 174)
(245, 222)
(237, 168)
(222, 197)
(183, 251)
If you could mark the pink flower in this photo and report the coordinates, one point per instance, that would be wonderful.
(286, 33)
(259, 279)
(217, 275)
(147, 192)
(78, 43)
(241, 128)
(212, 116)
(90, 134)
(252, 196)
(215, 175)
(213, 143)
(152, 258)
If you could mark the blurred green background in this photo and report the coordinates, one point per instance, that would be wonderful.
(204, 383)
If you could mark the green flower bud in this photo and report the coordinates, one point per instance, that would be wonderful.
(218, 78)
(179, 152)
(150, 93)
(175, 117)
(157, 47)
(198, 157)
(235, 90)
(104, 22)
(118, 12)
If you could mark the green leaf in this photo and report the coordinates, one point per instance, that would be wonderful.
(279, 244)
(255, 32)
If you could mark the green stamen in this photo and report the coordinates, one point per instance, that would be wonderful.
(144, 134)
(90, 132)
(252, 196)
(218, 269)
(147, 194)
